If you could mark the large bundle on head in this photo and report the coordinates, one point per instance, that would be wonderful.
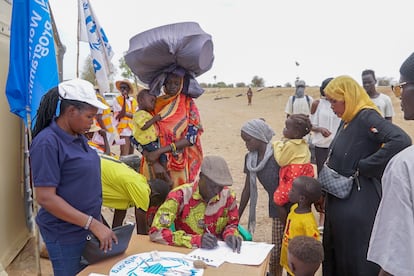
(156, 52)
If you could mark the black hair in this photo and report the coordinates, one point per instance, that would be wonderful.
(307, 249)
(407, 68)
(47, 109)
(369, 72)
(159, 191)
(323, 85)
(141, 94)
(302, 123)
(311, 188)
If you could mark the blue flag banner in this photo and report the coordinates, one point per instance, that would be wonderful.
(101, 51)
(32, 66)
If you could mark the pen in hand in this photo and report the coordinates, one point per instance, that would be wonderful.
(208, 240)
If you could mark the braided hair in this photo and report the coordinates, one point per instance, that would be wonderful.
(47, 109)
(302, 124)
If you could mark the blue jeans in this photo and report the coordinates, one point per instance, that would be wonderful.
(65, 258)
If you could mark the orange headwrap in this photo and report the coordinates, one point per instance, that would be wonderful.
(166, 99)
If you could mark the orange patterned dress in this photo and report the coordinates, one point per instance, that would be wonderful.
(179, 119)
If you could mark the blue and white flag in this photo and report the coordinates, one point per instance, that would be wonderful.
(101, 51)
(32, 66)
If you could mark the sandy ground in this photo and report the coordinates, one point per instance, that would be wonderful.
(223, 112)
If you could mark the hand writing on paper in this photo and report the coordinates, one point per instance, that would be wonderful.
(208, 241)
(234, 242)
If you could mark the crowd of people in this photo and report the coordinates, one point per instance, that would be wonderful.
(183, 198)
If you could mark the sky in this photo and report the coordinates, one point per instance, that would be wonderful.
(262, 38)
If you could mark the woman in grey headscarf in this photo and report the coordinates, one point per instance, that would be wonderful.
(261, 164)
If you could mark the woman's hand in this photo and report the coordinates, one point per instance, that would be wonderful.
(208, 241)
(161, 173)
(234, 242)
(105, 235)
(325, 132)
(102, 132)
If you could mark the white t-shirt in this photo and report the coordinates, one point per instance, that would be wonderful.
(384, 104)
(326, 118)
(392, 238)
(299, 106)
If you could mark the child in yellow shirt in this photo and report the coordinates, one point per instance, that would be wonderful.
(145, 134)
(293, 156)
(300, 222)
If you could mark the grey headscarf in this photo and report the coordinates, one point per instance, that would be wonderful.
(258, 129)
(300, 88)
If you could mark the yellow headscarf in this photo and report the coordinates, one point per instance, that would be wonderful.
(345, 88)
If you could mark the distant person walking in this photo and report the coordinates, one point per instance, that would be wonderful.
(249, 96)
(300, 103)
(382, 101)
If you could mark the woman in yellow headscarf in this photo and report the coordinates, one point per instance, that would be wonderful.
(179, 134)
(365, 142)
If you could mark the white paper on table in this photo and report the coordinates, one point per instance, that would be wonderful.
(251, 253)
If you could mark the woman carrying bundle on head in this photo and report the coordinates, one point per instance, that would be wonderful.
(179, 133)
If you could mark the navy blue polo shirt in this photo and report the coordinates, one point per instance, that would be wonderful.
(66, 162)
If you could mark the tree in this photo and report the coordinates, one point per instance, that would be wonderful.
(221, 84)
(240, 84)
(384, 81)
(125, 70)
(258, 82)
(88, 73)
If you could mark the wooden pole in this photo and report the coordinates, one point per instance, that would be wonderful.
(78, 39)
(30, 191)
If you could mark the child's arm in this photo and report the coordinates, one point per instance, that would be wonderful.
(152, 121)
(280, 153)
(106, 142)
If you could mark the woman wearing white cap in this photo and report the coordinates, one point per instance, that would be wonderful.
(66, 175)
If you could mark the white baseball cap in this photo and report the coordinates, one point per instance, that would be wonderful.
(80, 90)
